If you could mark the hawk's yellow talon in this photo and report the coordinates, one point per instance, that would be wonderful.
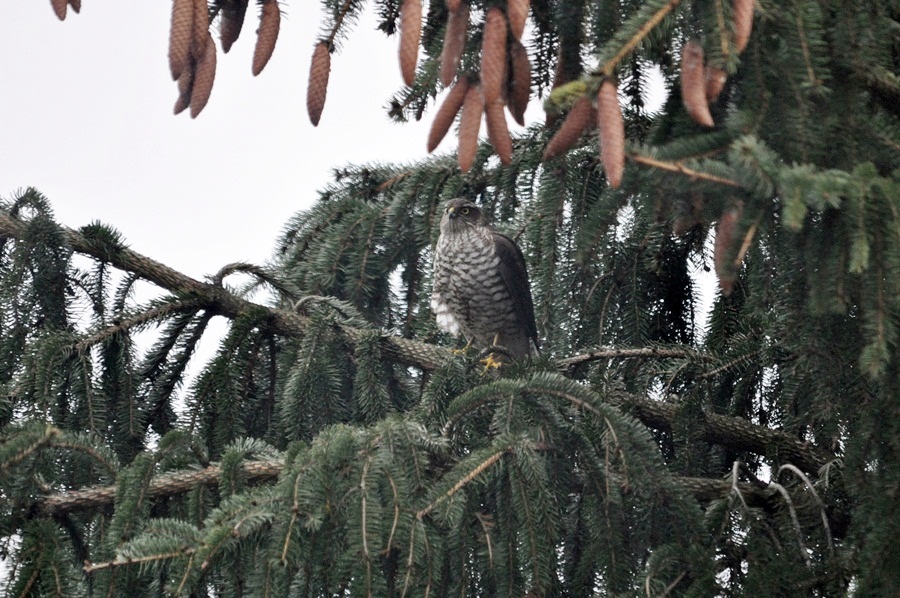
(489, 362)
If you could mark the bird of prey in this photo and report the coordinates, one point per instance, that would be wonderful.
(481, 283)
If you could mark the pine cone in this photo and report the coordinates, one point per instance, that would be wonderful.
(693, 84)
(446, 114)
(180, 36)
(59, 7)
(723, 251)
(454, 42)
(185, 84)
(200, 29)
(76, 5)
(519, 84)
(469, 124)
(319, 69)
(612, 133)
(493, 55)
(715, 82)
(580, 117)
(410, 33)
(517, 13)
(267, 35)
(498, 131)
(204, 76)
(742, 13)
(232, 22)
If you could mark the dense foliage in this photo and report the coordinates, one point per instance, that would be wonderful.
(335, 446)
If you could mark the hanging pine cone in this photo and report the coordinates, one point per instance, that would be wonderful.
(493, 55)
(447, 112)
(724, 247)
(185, 84)
(612, 133)
(454, 42)
(232, 22)
(742, 13)
(180, 34)
(518, 91)
(693, 84)
(199, 29)
(319, 70)
(517, 13)
(59, 7)
(410, 32)
(580, 118)
(498, 131)
(469, 124)
(267, 35)
(204, 76)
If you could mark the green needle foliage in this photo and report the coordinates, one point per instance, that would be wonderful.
(334, 445)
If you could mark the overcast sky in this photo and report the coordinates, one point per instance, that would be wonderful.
(86, 117)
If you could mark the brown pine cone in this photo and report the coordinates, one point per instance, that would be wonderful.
(724, 247)
(185, 84)
(204, 76)
(469, 124)
(180, 36)
(454, 42)
(200, 29)
(517, 13)
(446, 114)
(410, 33)
(580, 118)
(267, 35)
(742, 13)
(498, 131)
(518, 89)
(612, 133)
(493, 55)
(232, 22)
(693, 84)
(59, 7)
(319, 70)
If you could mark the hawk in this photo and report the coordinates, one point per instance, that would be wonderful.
(481, 283)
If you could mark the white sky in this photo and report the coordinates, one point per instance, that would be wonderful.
(86, 117)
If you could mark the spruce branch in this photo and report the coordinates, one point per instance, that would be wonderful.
(122, 561)
(467, 479)
(609, 67)
(158, 312)
(167, 484)
(218, 300)
(734, 432)
(567, 363)
(682, 169)
(171, 484)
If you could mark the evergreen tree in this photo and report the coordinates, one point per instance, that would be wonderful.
(335, 445)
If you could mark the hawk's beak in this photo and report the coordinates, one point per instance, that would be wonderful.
(452, 213)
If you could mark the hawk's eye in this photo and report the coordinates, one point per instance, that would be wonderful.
(464, 211)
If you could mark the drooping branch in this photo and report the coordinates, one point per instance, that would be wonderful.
(219, 300)
(171, 484)
(612, 353)
(168, 484)
(734, 432)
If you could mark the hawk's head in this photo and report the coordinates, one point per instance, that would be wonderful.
(460, 213)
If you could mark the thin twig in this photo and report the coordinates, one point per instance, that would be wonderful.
(682, 169)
